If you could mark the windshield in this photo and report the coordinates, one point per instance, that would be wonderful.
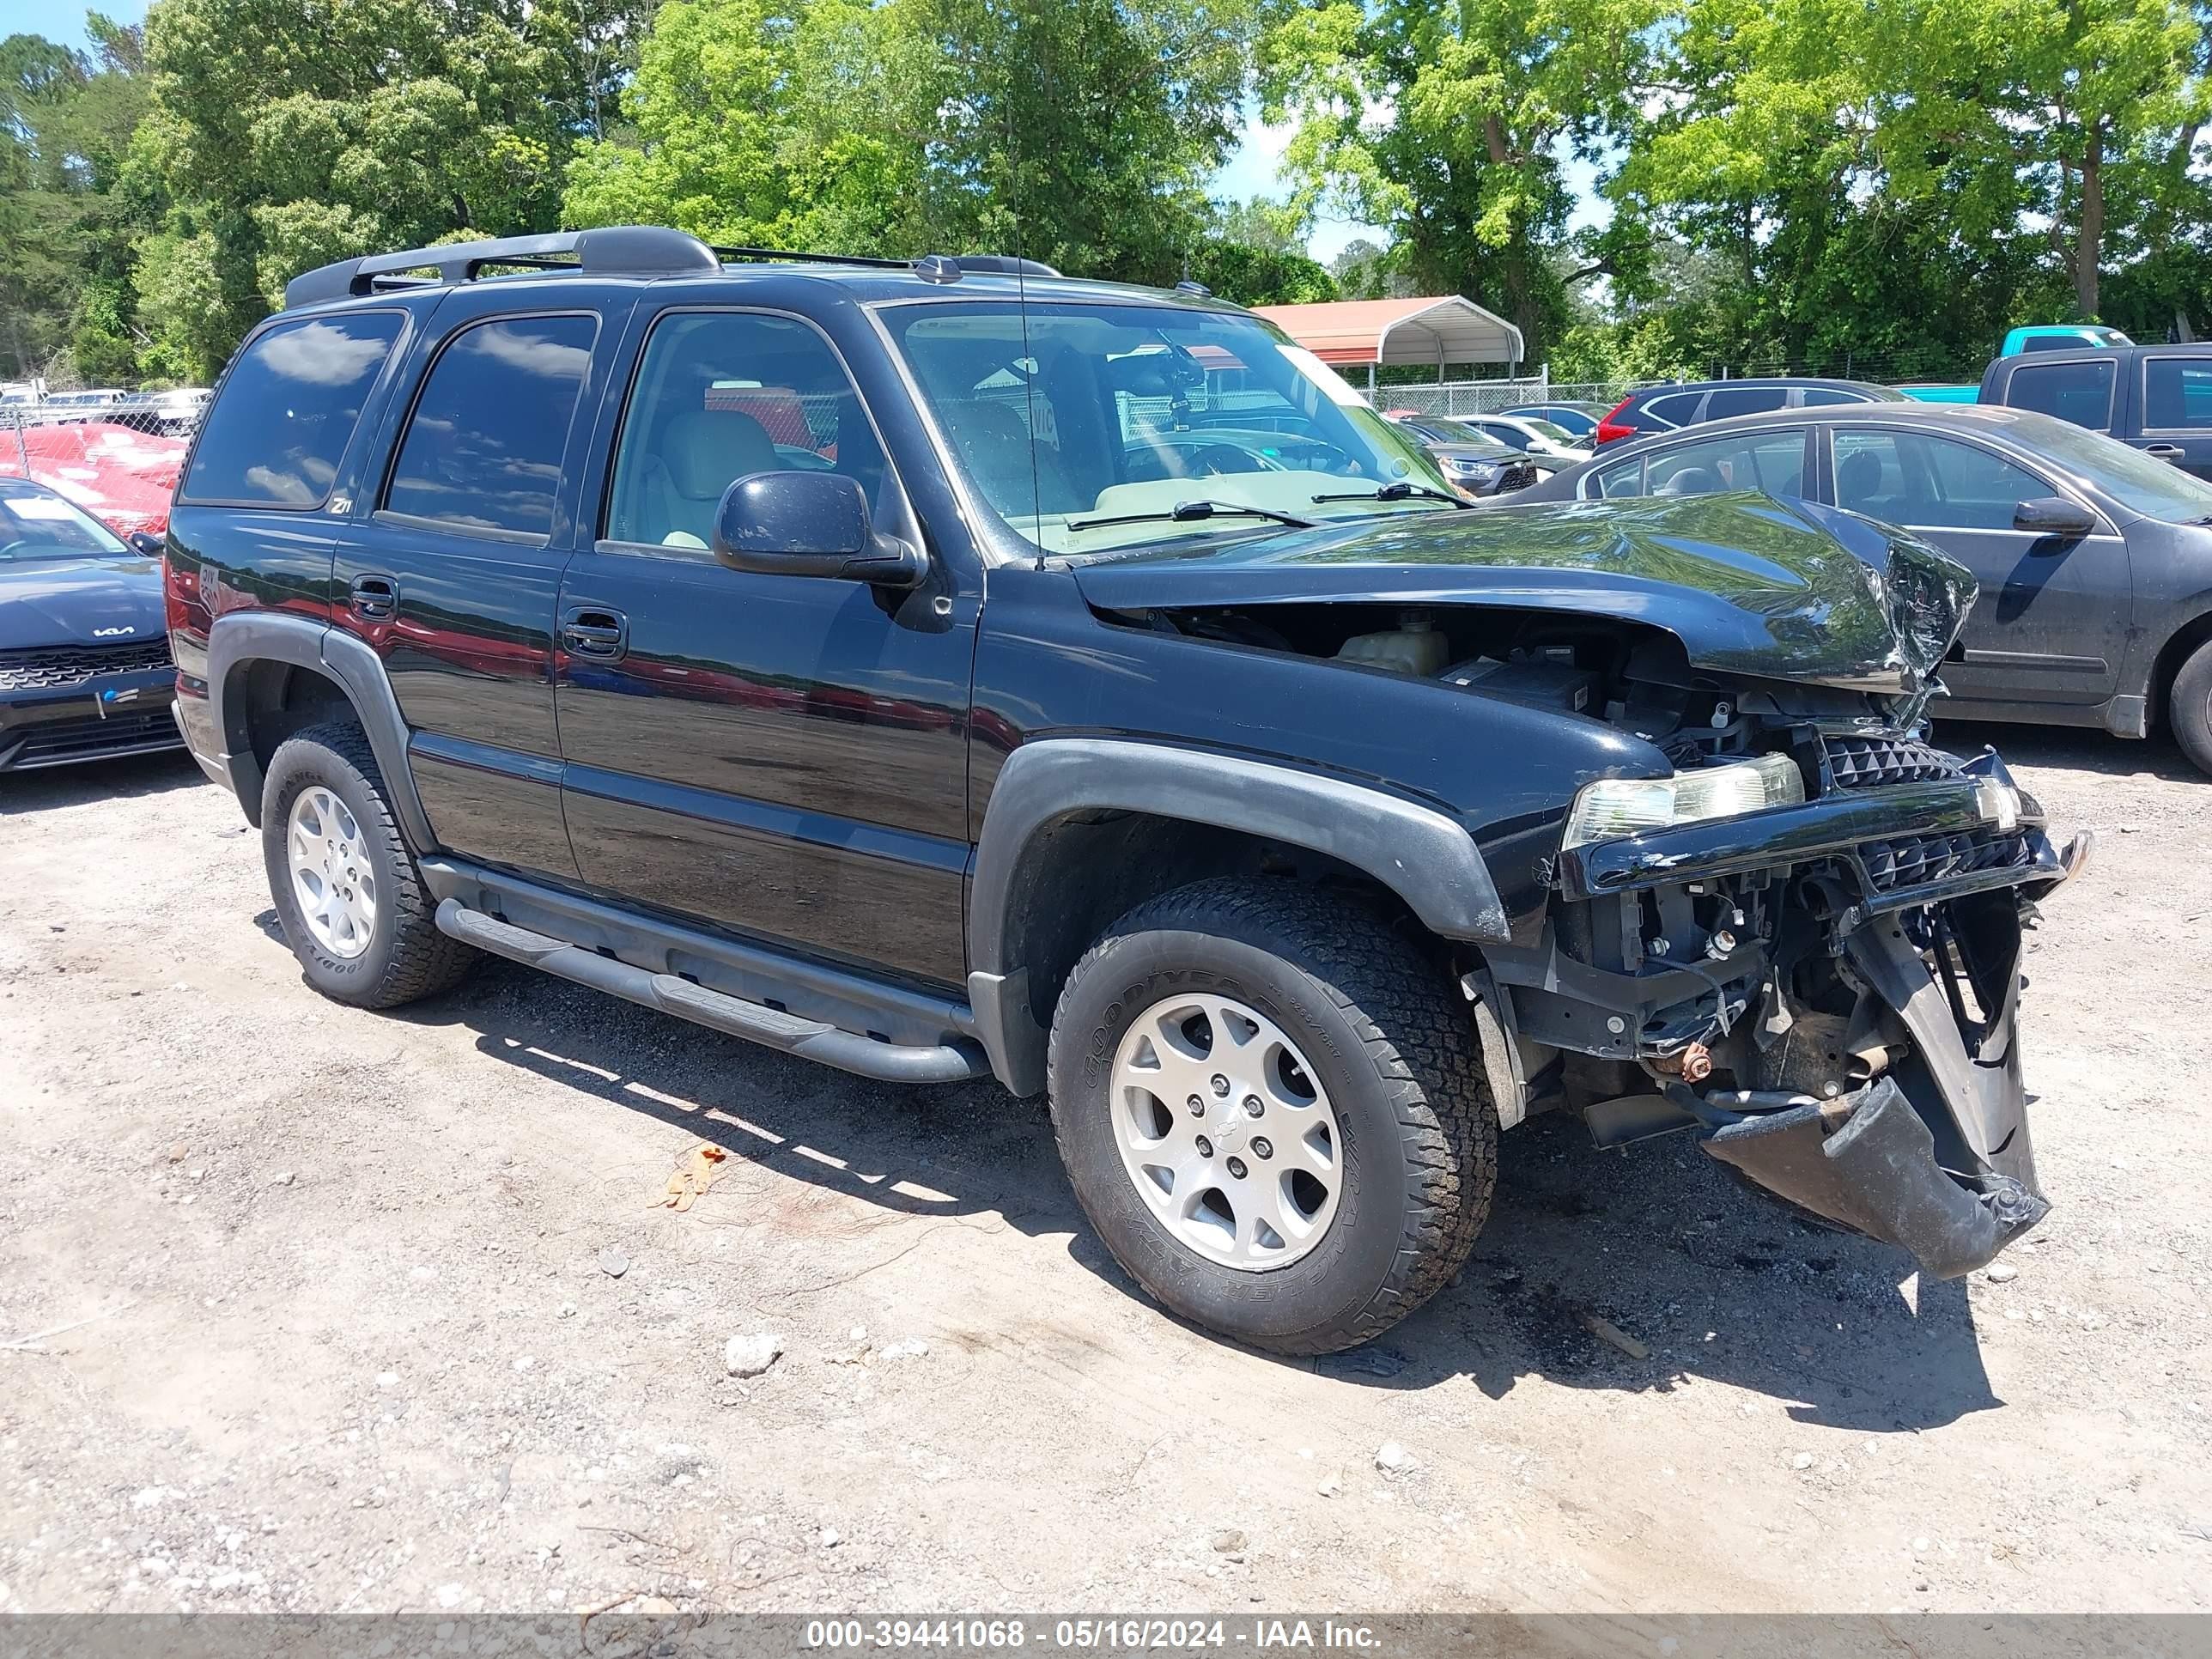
(2152, 486)
(1549, 430)
(37, 524)
(1063, 413)
(1449, 431)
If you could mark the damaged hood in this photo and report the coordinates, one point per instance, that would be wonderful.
(1751, 586)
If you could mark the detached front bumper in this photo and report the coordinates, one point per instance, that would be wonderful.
(1919, 890)
(100, 718)
(1935, 1157)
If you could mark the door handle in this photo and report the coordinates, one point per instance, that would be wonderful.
(375, 597)
(594, 631)
(2164, 451)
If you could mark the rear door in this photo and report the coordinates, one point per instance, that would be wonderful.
(452, 569)
(2175, 398)
(2050, 625)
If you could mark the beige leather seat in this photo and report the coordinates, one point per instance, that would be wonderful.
(701, 453)
(1018, 477)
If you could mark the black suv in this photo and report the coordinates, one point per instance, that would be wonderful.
(946, 670)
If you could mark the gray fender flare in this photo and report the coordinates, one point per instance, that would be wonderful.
(1428, 859)
(237, 642)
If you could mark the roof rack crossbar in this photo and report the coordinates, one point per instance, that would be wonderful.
(616, 250)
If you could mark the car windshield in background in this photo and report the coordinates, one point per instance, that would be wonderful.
(2150, 486)
(37, 524)
(1070, 413)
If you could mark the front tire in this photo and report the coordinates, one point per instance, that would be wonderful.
(355, 908)
(1355, 1189)
(2190, 708)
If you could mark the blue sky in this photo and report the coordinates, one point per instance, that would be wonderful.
(63, 20)
(1250, 172)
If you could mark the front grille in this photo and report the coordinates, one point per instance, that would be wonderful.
(64, 741)
(1519, 477)
(1856, 763)
(1915, 860)
(46, 666)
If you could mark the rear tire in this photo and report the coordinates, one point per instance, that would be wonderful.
(2190, 708)
(1379, 1041)
(384, 947)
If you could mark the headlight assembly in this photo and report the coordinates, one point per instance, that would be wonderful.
(1613, 807)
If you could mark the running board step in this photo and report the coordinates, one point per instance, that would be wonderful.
(811, 1039)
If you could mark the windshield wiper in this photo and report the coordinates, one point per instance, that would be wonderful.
(1395, 492)
(1191, 513)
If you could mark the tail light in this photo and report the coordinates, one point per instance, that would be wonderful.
(1611, 429)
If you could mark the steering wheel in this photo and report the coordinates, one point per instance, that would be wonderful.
(1215, 459)
(6, 548)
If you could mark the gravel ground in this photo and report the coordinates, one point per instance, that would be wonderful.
(377, 1313)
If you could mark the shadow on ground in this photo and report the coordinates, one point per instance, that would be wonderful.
(1658, 1244)
(2073, 748)
(134, 775)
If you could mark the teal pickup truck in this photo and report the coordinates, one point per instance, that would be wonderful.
(2033, 337)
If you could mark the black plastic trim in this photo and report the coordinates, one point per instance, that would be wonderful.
(1426, 858)
(241, 639)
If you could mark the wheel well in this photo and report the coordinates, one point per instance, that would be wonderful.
(268, 701)
(1079, 873)
(2180, 646)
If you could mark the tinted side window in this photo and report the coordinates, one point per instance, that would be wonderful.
(719, 396)
(1909, 478)
(2080, 392)
(287, 410)
(1625, 478)
(2177, 392)
(2052, 342)
(1821, 397)
(1675, 411)
(1771, 462)
(1745, 400)
(484, 446)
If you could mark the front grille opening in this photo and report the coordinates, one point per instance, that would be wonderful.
(1915, 860)
(1868, 763)
(43, 668)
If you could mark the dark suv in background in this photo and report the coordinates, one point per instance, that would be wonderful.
(2156, 398)
(1658, 409)
(939, 669)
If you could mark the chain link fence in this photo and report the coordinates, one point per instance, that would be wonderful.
(118, 461)
(1494, 397)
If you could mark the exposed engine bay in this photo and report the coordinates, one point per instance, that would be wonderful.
(1803, 948)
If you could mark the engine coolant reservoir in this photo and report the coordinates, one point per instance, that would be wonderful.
(1414, 647)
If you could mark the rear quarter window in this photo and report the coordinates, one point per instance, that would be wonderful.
(287, 410)
(1679, 409)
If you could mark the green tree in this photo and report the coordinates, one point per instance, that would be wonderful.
(1450, 127)
(763, 122)
(65, 122)
(285, 133)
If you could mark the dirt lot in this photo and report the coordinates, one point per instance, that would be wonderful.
(340, 1335)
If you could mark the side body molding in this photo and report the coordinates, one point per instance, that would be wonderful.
(1424, 856)
(237, 642)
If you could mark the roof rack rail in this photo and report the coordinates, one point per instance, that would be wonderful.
(614, 249)
(954, 267)
(625, 250)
